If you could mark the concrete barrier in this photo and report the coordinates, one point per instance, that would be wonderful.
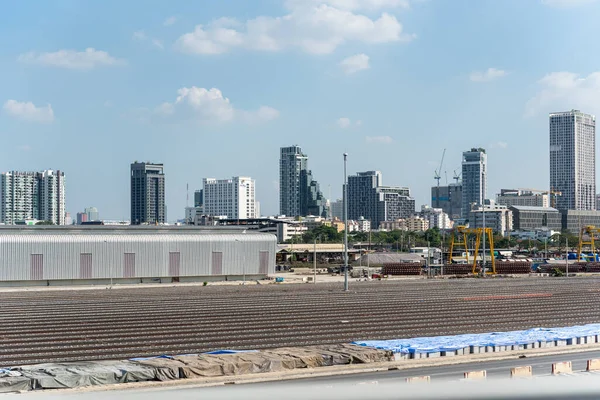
(418, 379)
(593, 365)
(562, 368)
(475, 375)
(521, 372)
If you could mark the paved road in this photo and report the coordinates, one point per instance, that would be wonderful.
(446, 383)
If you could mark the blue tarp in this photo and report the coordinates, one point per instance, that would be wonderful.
(451, 343)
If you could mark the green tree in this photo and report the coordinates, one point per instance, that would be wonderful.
(44, 223)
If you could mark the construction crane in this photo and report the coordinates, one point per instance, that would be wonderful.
(457, 176)
(437, 176)
(552, 193)
(592, 234)
(460, 236)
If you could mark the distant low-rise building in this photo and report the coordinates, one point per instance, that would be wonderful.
(416, 224)
(526, 218)
(497, 217)
(518, 197)
(574, 220)
(436, 217)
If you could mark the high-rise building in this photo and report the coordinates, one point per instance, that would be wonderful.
(369, 199)
(362, 196)
(198, 198)
(32, 195)
(92, 214)
(299, 193)
(525, 198)
(147, 193)
(448, 198)
(573, 160)
(337, 209)
(474, 179)
(81, 218)
(20, 197)
(233, 198)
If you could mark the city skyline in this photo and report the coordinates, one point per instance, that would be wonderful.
(392, 94)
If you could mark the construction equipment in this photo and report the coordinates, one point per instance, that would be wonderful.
(592, 234)
(457, 176)
(460, 237)
(438, 171)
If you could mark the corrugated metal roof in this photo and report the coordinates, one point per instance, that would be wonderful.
(533, 208)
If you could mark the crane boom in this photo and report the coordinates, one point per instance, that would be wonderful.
(439, 170)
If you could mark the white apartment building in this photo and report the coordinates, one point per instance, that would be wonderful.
(497, 217)
(573, 159)
(234, 198)
(32, 195)
(436, 217)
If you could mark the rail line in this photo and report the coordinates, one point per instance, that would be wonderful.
(70, 325)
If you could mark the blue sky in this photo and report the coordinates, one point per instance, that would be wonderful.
(215, 88)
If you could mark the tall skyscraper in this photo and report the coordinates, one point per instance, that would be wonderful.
(147, 194)
(362, 196)
(92, 214)
(573, 160)
(233, 198)
(32, 195)
(52, 197)
(474, 179)
(299, 193)
(368, 198)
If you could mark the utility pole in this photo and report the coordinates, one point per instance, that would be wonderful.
(345, 225)
(315, 261)
(567, 255)
(483, 255)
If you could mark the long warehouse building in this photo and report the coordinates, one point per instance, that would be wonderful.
(46, 255)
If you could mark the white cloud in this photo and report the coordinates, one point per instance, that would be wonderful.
(565, 91)
(142, 37)
(27, 111)
(211, 105)
(379, 139)
(352, 5)
(71, 59)
(499, 145)
(139, 35)
(567, 3)
(158, 43)
(344, 122)
(170, 21)
(486, 76)
(355, 63)
(317, 28)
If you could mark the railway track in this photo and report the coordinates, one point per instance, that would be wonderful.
(71, 325)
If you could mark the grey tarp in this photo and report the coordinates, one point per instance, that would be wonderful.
(305, 358)
(78, 374)
(14, 384)
(166, 369)
(357, 354)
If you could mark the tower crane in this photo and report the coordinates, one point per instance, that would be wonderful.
(437, 176)
(457, 176)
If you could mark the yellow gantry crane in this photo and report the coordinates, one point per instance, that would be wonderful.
(592, 234)
(460, 237)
